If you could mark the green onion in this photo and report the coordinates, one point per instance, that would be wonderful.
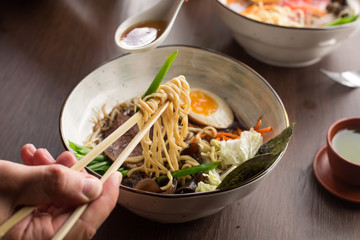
(81, 151)
(102, 167)
(192, 170)
(160, 76)
(342, 20)
(100, 164)
(100, 157)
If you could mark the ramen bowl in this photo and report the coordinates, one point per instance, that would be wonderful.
(285, 46)
(249, 95)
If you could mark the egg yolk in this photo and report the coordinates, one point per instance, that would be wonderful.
(202, 103)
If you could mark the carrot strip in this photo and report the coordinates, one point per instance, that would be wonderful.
(258, 124)
(310, 9)
(226, 138)
(236, 134)
(264, 130)
(203, 135)
(228, 134)
(250, 9)
(239, 131)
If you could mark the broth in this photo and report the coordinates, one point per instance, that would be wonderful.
(143, 33)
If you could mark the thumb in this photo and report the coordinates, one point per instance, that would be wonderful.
(55, 184)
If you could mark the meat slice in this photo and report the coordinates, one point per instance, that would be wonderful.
(119, 145)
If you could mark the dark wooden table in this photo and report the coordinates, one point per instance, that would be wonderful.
(47, 47)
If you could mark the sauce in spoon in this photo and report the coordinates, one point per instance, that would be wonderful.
(143, 33)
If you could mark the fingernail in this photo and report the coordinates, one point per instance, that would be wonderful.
(30, 148)
(120, 176)
(92, 188)
(48, 155)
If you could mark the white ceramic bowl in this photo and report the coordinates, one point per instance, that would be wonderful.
(285, 46)
(122, 78)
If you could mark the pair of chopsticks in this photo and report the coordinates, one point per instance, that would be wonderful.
(22, 213)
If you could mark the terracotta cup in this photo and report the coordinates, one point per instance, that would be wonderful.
(344, 169)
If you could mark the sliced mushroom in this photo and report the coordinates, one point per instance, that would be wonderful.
(172, 188)
(191, 186)
(148, 184)
(192, 150)
(133, 179)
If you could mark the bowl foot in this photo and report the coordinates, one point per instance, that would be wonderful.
(173, 217)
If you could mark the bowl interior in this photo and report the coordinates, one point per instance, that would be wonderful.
(125, 77)
(120, 79)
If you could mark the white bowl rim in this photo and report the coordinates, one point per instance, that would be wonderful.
(196, 194)
(347, 25)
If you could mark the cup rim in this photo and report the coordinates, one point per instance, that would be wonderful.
(330, 135)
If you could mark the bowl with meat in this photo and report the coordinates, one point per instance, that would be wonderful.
(289, 33)
(223, 130)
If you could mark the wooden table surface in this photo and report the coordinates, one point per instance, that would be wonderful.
(47, 47)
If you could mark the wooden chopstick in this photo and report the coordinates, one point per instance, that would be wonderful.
(14, 219)
(113, 168)
(98, 149)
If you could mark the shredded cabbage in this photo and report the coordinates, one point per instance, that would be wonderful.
(231, 153)
(212, 181)
(234, 152)
(204, 187)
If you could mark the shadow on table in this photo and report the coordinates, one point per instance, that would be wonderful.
(326, 205)
(123, 224)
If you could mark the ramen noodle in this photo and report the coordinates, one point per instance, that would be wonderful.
(174, 144)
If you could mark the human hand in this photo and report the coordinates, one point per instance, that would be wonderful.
(57, 191)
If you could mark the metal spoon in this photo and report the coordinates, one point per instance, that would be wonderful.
(348, 78)
(165, 10)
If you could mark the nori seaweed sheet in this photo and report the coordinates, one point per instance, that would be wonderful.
(263, 159)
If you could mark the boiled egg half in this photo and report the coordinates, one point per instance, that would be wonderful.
(209, 109)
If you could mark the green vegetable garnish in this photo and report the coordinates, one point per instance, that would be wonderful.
(191, 170)
(160, 76)
(264, 157)
(81, 151)
(100, 164)
(342, 20)
(101, 167)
